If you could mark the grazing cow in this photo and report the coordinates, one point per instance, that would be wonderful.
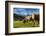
(33, 17)
(26, 19)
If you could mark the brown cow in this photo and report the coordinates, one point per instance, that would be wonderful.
(33, 17)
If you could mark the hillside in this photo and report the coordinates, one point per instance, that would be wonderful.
(18, 17)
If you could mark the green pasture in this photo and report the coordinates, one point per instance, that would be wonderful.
(20, 24)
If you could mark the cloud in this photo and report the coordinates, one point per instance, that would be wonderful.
(25, 11)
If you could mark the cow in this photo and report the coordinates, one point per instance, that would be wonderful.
(32, 18)
(35, 17)
(26, 19)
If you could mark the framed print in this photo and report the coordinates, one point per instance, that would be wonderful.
(24, 17)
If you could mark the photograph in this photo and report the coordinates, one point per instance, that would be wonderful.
(26, 17)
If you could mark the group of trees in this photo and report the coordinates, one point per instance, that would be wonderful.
(18, 17)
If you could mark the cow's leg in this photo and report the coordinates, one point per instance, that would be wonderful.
(33, 21)
(38, 23)
(23, 21)
(27, 20)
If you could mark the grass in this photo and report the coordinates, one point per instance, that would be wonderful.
(20, 24)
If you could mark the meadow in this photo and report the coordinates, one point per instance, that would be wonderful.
(20, 24)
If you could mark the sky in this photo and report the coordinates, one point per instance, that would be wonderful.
(25, 11)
